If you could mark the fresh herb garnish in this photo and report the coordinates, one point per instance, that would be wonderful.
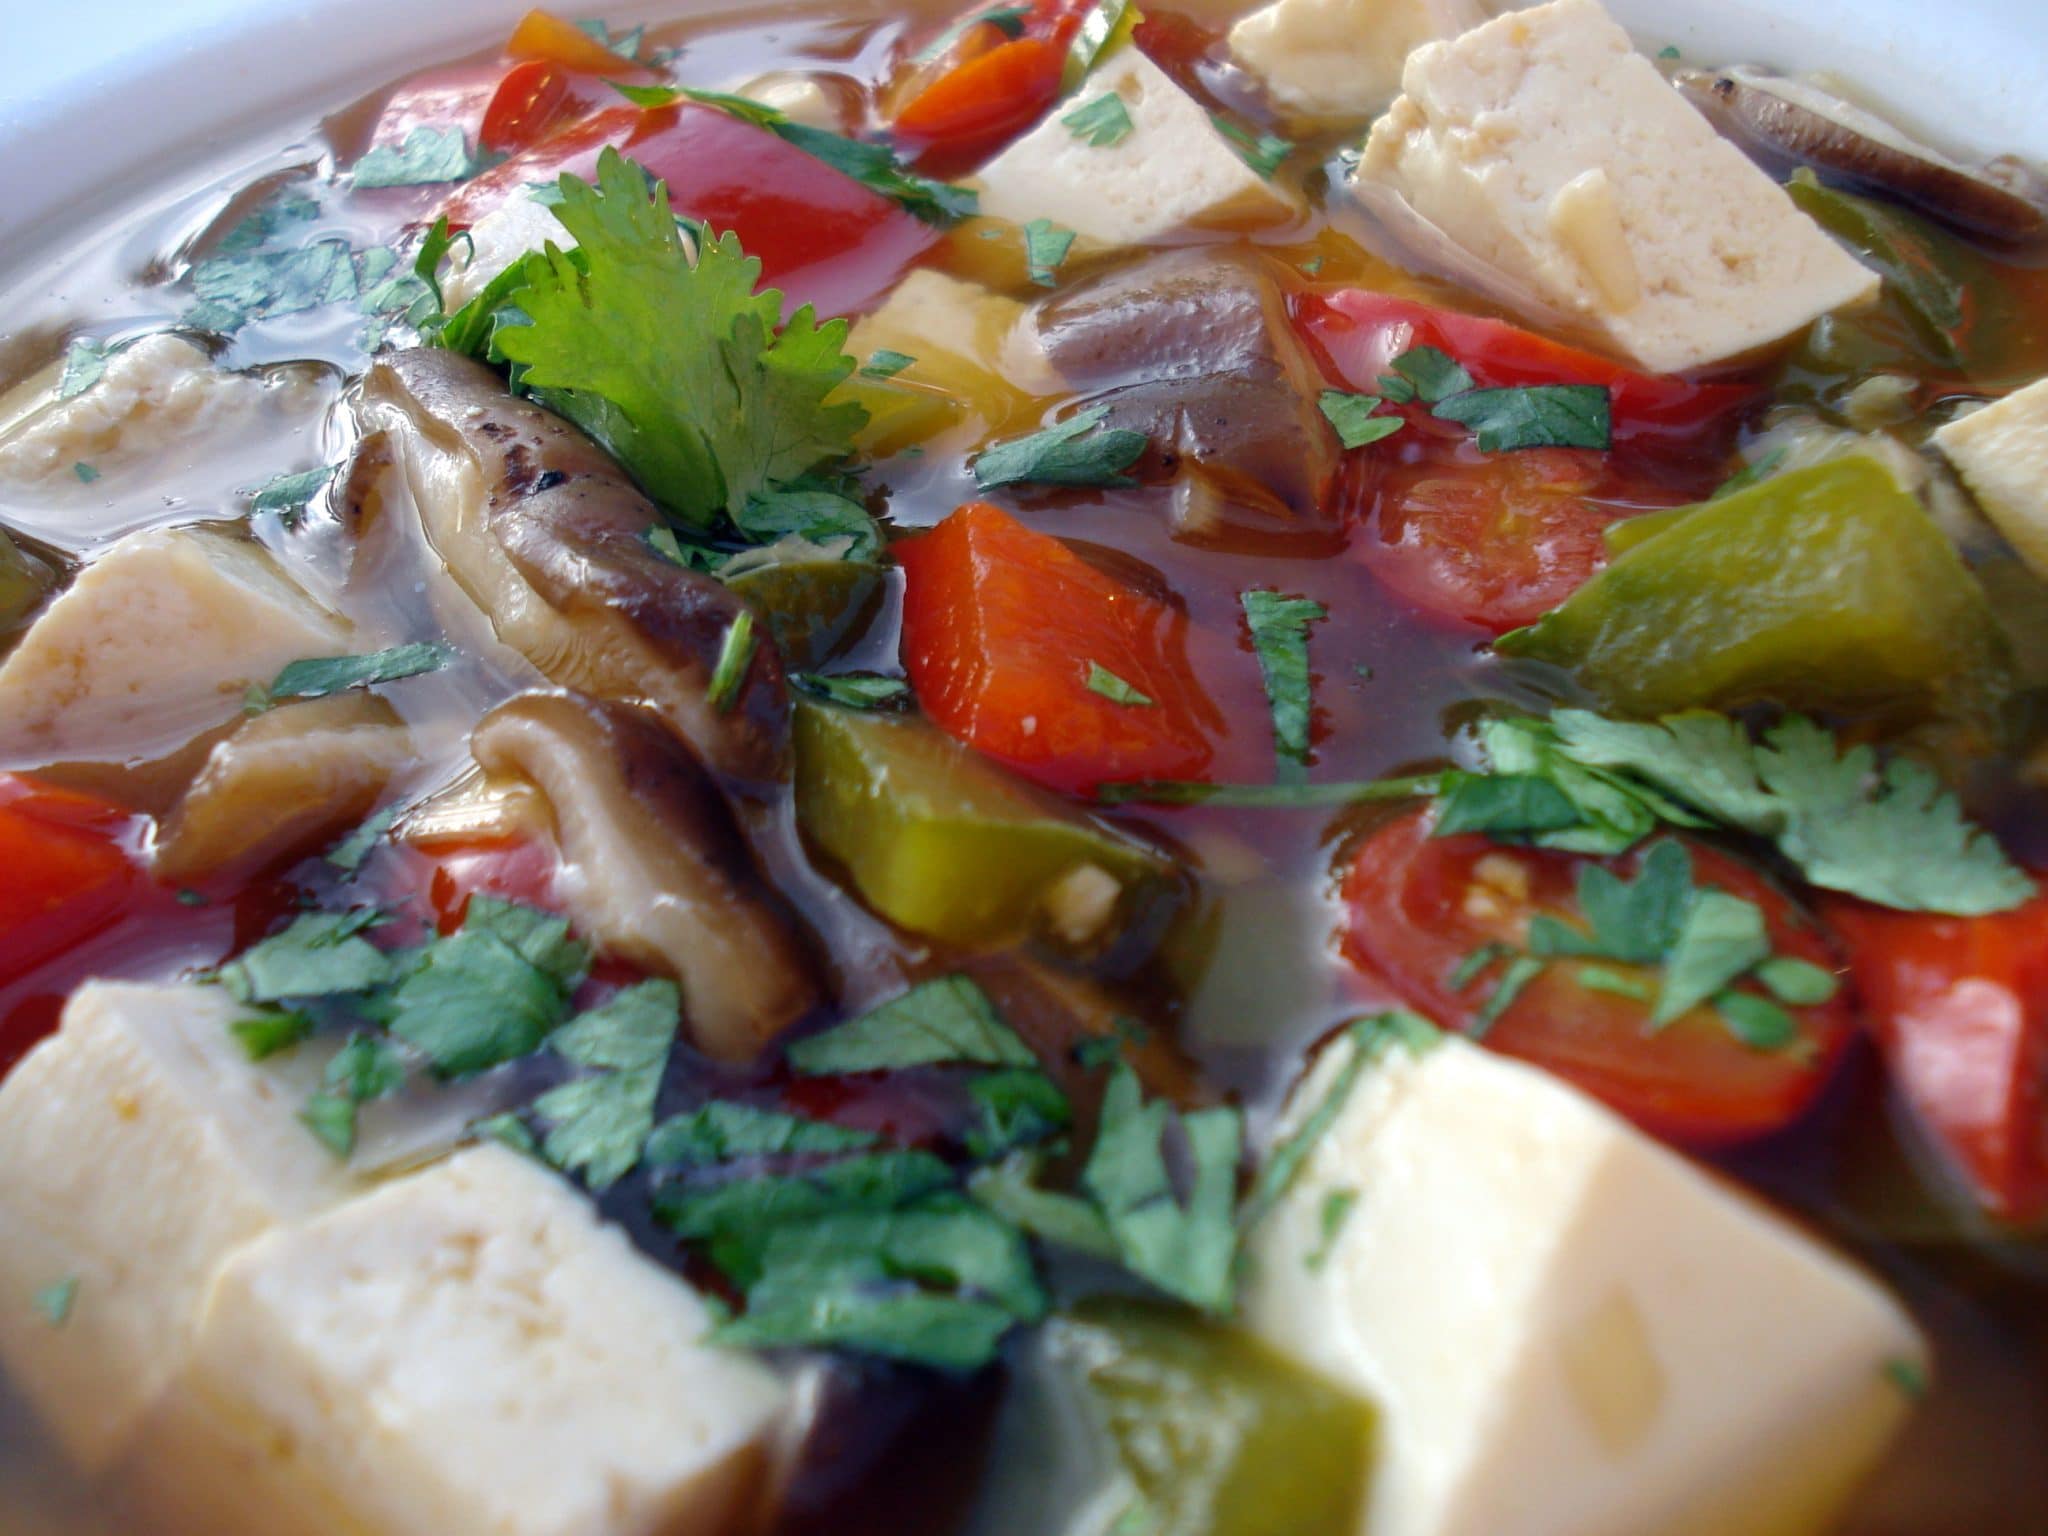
(1105, 682)
(1353, 418)
(1756, 1021)
(56, 1300)
(427, 157)
(722, 1131)
(365, 1068)
(947, 1020)
(289, 494)
(1019, 1107)
(1337, 1207)
(85, 472)
(883, 363)
(854, 690)
(1045, 246)
(318, 677)
(349, 853)
(85, 360)
(489, 993)
(735, 656)
(1100, 123)
(1011, 1190)
(321, 954)
(1533, 416)
(601, 1123)
(1279, 631)
(263, 1035)
(1079, 451)
(1263, 152)
(1515, 976)
(1431, 375)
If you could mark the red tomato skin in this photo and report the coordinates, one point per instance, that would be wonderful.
(1000, 623)
(1417, 905)
(821, 237)
(498, 104)
(981, 103)
(1959, 1009)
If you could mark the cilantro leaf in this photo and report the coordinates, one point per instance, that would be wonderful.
(736, 1214)
(1722, 938)
(1045, 246)
(85, 359)
(1352, 416)
(263, 1035)
(1105, 682)
(428, 156)
(349, 853)
(1639, 922)
(1100, 123)
(1533, 416)
(885, 363)
(1072, 452)
(602, 1123)
(944, 1021)
(677, 369)
(1431, 374)
(1798, 982)
(1514, 979)
(540, 938)
(474, 1001)
(1017, 1108)
(1187, 1250)
(1010, 1189)
(1279, 630)
(1756, 1021)
(1502, 803)
(289, 494)
(235, 288)
(318, 677)
(722, 1130)
(56, 1300)
(365, 1068)
(1263, 152)
(321, 954)
(815, 515)
(854, 690)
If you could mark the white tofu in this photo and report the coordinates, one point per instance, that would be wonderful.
(155, 643)
(140, 1146)
(2001, 452)
(1567, 1329)
(1546, 149)
(465, 1350)
(1172, 171)
(516, 226)
(1339, 61)
(950, 327)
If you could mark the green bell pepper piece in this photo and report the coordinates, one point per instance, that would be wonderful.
(1217, 1434)
(814, 608)
(938, 839)
(1819, 588)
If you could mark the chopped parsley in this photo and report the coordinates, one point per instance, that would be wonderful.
(489, 993)
(318, 677)
(1430, 375)
(1909, 1376)
(1018, 1107)
(601, 1123)
(1756, 1021)
(1100, 123)
(1336, 1209)
(854, 690)
(1514, 978)
(85, 360)
(735, 656)
(1105, 682)
(321, 954)
(883, 363)
(1079, 451)
(1263, 152)
(722, 1131)
(1045, 246)
(427, 157)
(1798, 982)
(814, 513)
(349, 853)
(1353, 418)
(947, 1020)
(56, 1300)
(265, 1034)
(290, 494)
(86, 473)
(366, 1067)
(1279, 631)
(1533, 416)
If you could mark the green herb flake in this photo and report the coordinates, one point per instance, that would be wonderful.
(1909, 1376)
(365, 1068)
(56, 1300)
(85, 472)
(1336, 1210)
(1514, 979)
(1668, 52)
(485, 995)
(1352, 417)
(507, 1130)
(1011, 1190)
(349, 853)
(1722, 937)
(85, 360)
(1467, 970)
(600, 1124)
(263, 1035)
(1105, 682)
(1756, 1021)
(722, 1131)
(1263, 152)
(1279, 629)
(1431, 374)
(1101, 123)
(854, 690)
(1800, 983)
(943, 1021)
(289, 495)
(1017, 1107)
(321, 954)
(817, 516)
(1045, 246)
(1501, 804)
(318, 677)
(1598, 978)
(1533, 416)
(428, 157)
(187, 897)
(735, 656)
(1079, 451)
(1397, 389)
(883, 363)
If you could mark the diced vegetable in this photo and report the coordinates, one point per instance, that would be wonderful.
(70, 865)
(939, 841)
(814, 606)
(1000, 627)
(1578, 965)
(1959, 1007)
(1821, 588)
(1216, 1434)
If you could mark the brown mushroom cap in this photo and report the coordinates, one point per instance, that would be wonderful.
(1798, 120)
(548, 537)
(653, 868)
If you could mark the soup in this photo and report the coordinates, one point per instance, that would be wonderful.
(1041, 771)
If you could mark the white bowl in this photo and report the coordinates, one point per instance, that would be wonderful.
(101, 97)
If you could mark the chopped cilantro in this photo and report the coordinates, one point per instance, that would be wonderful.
(85, 472)
(854, 690)
(1431, 374)
(884, 363)
(1018, 1107)
(289, 494)
(1598, 978)
(1468, 970)
(1078, 451)
(947, 1020)
(349, 853)
(1909, 1376)
(56, 1300)
(1105, 682)
(1723, 938)
(1798, 982)
(1515, 977)
(676, 367)
(540, 938)
(601, 1123)
(428, 156)
(735, 1214)
(1011, 1190)
(84, 361)
(722, 1131)
(321, 954)
(1750, 474)
(1502, 803)
(507, 1130)
(818, 516)
(735, 656)
(318, 677)
(1668, 52)
(1100, 123)
(1263, 152)
(1337, 1207)
(1279, 629)
(1352, 416)
(1756, 1021)
(265, 1034)
(1186, 1249)
(365, 1068)
(473, 1001)
(1533, 416)
(1045, 246)
(247, 279)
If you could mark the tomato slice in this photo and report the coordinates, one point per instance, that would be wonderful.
(979, 104)
(71, 868)
(1959, 1008)
(1359, 334)
(1000, 626)
(821, 237)
(1417, 906)
(1490, 539)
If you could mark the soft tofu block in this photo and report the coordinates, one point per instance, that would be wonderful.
(1339, 61)
(1172, 171)
(1546, 148)
(2002, 454)
(1567, 1329)
(469, 1349)
(520, 224)
(155, 643)
(140, 1145)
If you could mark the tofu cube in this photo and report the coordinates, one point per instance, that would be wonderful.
(1172, 171)
(154, 644)
(469, 1349)
(520, 224)
(1549, 151)
(1567, 1329)
(2001, 452)
(1339, 61)
(141, 1145)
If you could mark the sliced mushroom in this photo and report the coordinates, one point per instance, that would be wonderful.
(653, 868)
(285, 782)
(548, 537)
(1799, 120)
(1194, 349)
